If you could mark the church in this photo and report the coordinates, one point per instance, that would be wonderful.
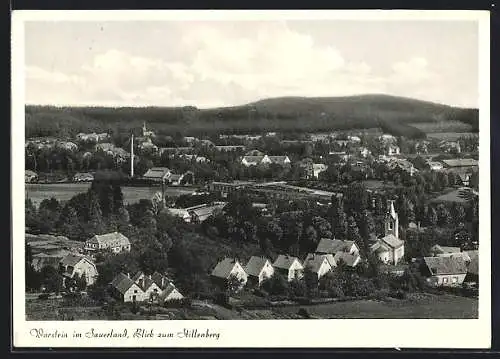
(389, 248)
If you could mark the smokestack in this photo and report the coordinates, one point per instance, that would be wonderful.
(132, 156)
(128, 274)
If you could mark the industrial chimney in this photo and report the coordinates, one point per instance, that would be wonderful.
(132, 156)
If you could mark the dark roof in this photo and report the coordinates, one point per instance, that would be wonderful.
(314, 261)
(349, 259)
(285, 261)
(252, 159)
(280, 160)
(446, 265)
(223, 268)
(333, 246)
(392, 241)
(122, 283)
(71, 260)
(110, 239)
(255, 265)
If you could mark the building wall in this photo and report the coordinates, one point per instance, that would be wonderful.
(295, 271)
(447, 280)
(87, 268)
(240, 273)
(266, 272)
(399, 254)
(150, 290)
(174, 295)
(324, 269)
(133, 290)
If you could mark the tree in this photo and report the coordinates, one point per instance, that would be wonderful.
(233, 284)
(443, 215)
(69, 224)
(432, 217)
(276, 285)
(51, 279)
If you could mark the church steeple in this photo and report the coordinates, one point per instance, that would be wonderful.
(144, 130)
(391, 220)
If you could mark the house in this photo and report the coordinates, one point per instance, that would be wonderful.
(259, 269)
(318, 168)
(389, 248)
(41, 260)
(450, 146)
(255, 160)
(230, 148)
(279, 160)
(289, 266)
(170, 293)
(150, 289)
(446, 251)
(30, 176)
(334, 246)
(125, 289)
(348, 259)
(67, 145)
(319, 264)
(342, 155)
(74, 264)
(186, 178)
(392, 150)
(158, 174)
(386, 138)
(114, 242)
(200, 214)
(364, 152)
(88, 137)
(354, 139)
(473, 266)
(147, 145)
(227, 268)
(83, 177)
(444, 271)
(421, 147)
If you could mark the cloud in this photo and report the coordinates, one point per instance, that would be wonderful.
(220, 67)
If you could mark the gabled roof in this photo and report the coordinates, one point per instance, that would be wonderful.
(314, 261)
(157, 172)
(223, 268)
(285, 261)
(379, 247)
(348, 259)
(333, 246)
(158, 278)
(392, 241)
(446, 265)
(71, 260)
(253, 159)
(167, 291)
(255, 265)
(280, 160)
(122, 283)
(111, 239)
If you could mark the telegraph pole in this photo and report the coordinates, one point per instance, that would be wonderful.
(132, 157)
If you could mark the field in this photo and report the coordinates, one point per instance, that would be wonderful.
(423, 306)
(442, 127)
(64, 192)
(449, 136)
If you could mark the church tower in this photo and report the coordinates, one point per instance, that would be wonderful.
(391, 220)
(144, 130)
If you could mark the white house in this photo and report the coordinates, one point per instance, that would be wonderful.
(255, 160)
(229, 267)
(74, 264)
(319, 264)
(114, 242)
(392, 150)
(158, 174)
(126, 290)
(259, 269)
(289, 266)
(318, 168)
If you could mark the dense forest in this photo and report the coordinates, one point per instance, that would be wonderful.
(392, 114)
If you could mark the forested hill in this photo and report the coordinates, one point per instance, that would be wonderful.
(395, 115)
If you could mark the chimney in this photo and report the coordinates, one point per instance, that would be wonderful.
(163, 281)
(128, 274)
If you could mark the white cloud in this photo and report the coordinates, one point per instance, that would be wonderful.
(221, 68)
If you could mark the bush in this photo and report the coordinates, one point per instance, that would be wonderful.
(178, 303)
(303, 312)
(260, 292)
(398, 294)
(44, 296)
(255, 303)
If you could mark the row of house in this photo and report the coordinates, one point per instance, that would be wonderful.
(165, 175)
(141, 287)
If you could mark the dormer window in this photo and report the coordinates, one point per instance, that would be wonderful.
(390, 225)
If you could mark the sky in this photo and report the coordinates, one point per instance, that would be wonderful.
(225, 63)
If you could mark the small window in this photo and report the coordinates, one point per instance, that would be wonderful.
(390, 225)
(135, 291)
(454, 279)
(445, 280)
